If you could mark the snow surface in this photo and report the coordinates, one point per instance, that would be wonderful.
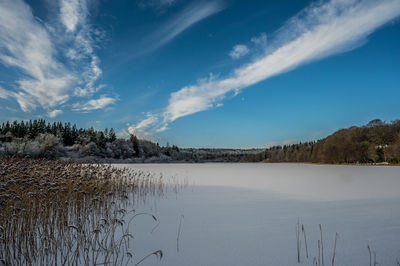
(246, 214)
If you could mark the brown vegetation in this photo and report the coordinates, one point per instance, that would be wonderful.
(55, 212)
(374, 143)
(377, 142)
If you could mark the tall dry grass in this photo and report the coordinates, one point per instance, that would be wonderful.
(65, 213)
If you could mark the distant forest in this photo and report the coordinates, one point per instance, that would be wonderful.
(375, 142)
(57, 140)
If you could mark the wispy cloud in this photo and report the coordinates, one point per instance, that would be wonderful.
(260, 41)
(157, 4)
(4, 94)
(25, 44)
(189, 16)
(54, 113)
(83, 38)
(25, 102)
(142, 129)
(239, 51)
(54, 60)
(320, 30)
(254, 46)
(95, 104)
(72, 13)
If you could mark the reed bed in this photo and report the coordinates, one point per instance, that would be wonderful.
(66, 213)
(319, 259)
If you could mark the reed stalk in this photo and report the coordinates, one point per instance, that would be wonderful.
(66, 213)
(322, 245)
(334, 249)
(179, 233)
(305, 239)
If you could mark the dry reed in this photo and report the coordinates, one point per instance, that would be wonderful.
(305, 239)
(298, 241)
(66, 213)
(334, 249)
(322, 245)
(179, 233)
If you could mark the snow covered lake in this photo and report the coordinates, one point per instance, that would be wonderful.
(246, 214)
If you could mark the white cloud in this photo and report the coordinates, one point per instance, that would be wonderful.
(34, 48)
(54, 113)
(72, 13)
(257, 43)
(321, 30)
(239, 51)
(141, 129)
(260, 40)
(73, 54)
(95, 104)
(25, 44)
(4, 94)
(189, 16)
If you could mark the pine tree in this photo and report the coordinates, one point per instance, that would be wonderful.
(111, 136)
(135, 144)
(101, 140)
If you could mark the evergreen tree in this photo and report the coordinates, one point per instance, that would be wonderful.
(101, 140)
(111, 136)
(135, 144)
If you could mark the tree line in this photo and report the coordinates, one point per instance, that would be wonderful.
(68, 134)
(375, 142)
(40, 139)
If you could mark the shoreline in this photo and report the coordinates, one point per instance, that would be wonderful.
(158, 161)
(344, 164)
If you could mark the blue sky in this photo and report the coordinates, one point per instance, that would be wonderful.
(222, 73)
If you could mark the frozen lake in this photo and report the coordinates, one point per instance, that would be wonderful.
(246, 214)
